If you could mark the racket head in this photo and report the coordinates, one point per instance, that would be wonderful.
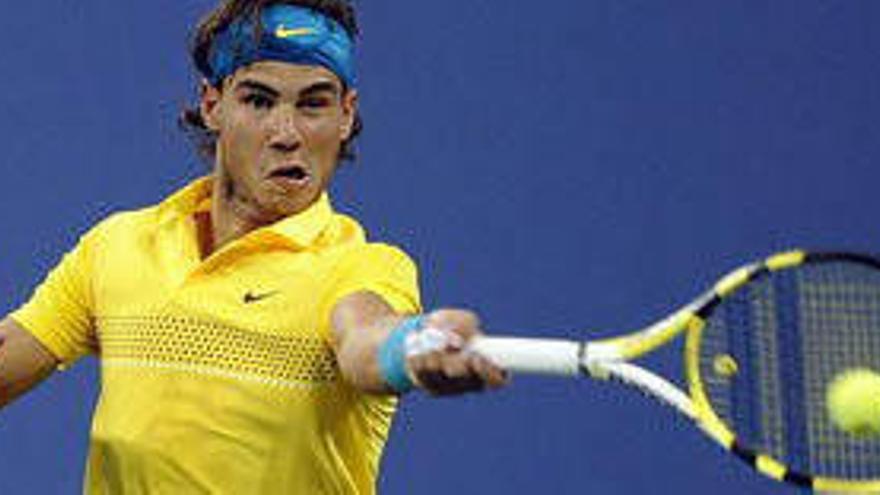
(760, 352)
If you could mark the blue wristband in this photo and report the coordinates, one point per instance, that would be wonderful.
(392, 355)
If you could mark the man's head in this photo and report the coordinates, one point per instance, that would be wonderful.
(278, 107)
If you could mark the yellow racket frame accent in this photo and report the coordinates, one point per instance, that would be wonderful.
(640, 343)
(785, 260)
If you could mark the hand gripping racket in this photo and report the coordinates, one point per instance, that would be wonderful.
(760, 349)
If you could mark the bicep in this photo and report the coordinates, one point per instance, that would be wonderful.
(24, 361)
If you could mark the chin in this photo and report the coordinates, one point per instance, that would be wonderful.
(289, 207)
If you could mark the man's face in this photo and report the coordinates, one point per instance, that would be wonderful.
(280, 127)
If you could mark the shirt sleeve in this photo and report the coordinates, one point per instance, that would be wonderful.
(383, 270)
(60, 312)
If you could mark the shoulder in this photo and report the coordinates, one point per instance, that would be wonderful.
(374, 263)
(352, 247)
(383, 269)
(151, 219)
(125, 223)
(376, 252)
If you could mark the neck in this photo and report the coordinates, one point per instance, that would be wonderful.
(232, 215)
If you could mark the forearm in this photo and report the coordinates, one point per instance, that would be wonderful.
(24, 362)
(372, 355)
(362, 323)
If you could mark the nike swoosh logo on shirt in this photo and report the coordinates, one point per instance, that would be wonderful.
(251, 297)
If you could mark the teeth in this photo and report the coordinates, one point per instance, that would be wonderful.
(294, 173)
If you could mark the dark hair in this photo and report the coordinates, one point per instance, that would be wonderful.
(202, 38)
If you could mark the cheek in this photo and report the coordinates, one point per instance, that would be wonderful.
(241, 137)
(325, 137)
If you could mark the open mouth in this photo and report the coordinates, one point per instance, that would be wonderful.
(293, 174)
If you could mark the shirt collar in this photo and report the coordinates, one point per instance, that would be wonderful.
(305, 227)
(302, 229)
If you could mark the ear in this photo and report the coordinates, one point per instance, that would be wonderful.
(209, 105)
(349, 112)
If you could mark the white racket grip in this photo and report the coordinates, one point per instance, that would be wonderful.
(535, 356)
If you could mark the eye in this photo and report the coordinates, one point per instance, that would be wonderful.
(314, 102)
(258, 101)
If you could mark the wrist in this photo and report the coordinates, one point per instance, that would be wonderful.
(392, 354)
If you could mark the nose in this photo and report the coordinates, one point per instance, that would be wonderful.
(284, 133)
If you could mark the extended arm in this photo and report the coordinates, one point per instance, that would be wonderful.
(363, 321)
(24, 362)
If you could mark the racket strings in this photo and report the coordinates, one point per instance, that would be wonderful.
(842, 313)
(788, 334)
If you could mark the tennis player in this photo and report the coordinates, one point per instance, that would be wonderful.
(251, 340)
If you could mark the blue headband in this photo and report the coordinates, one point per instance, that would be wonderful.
(289, 34)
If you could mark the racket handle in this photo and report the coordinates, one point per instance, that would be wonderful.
(534, 356)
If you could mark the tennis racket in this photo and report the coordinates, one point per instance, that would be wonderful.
(760, 349)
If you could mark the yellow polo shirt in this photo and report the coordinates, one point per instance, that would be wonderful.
(217, 374)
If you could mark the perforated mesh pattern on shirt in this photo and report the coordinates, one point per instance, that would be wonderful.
(203, 347)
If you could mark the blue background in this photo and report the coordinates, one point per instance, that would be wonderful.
(565, 167)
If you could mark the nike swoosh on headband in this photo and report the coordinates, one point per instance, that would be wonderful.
(284, 33)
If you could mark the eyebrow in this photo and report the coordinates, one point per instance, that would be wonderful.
(320, 87)
(317, 87)
(258, 86)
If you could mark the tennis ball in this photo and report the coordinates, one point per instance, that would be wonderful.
(853, 401)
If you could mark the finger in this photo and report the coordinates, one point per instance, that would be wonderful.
(428, 362)
(424, 366)
(415, 363)
(432, 362)
(454, 377)
(437, 383)
(456, 365)
(463, 322)
(492, 375)
(454, 386)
